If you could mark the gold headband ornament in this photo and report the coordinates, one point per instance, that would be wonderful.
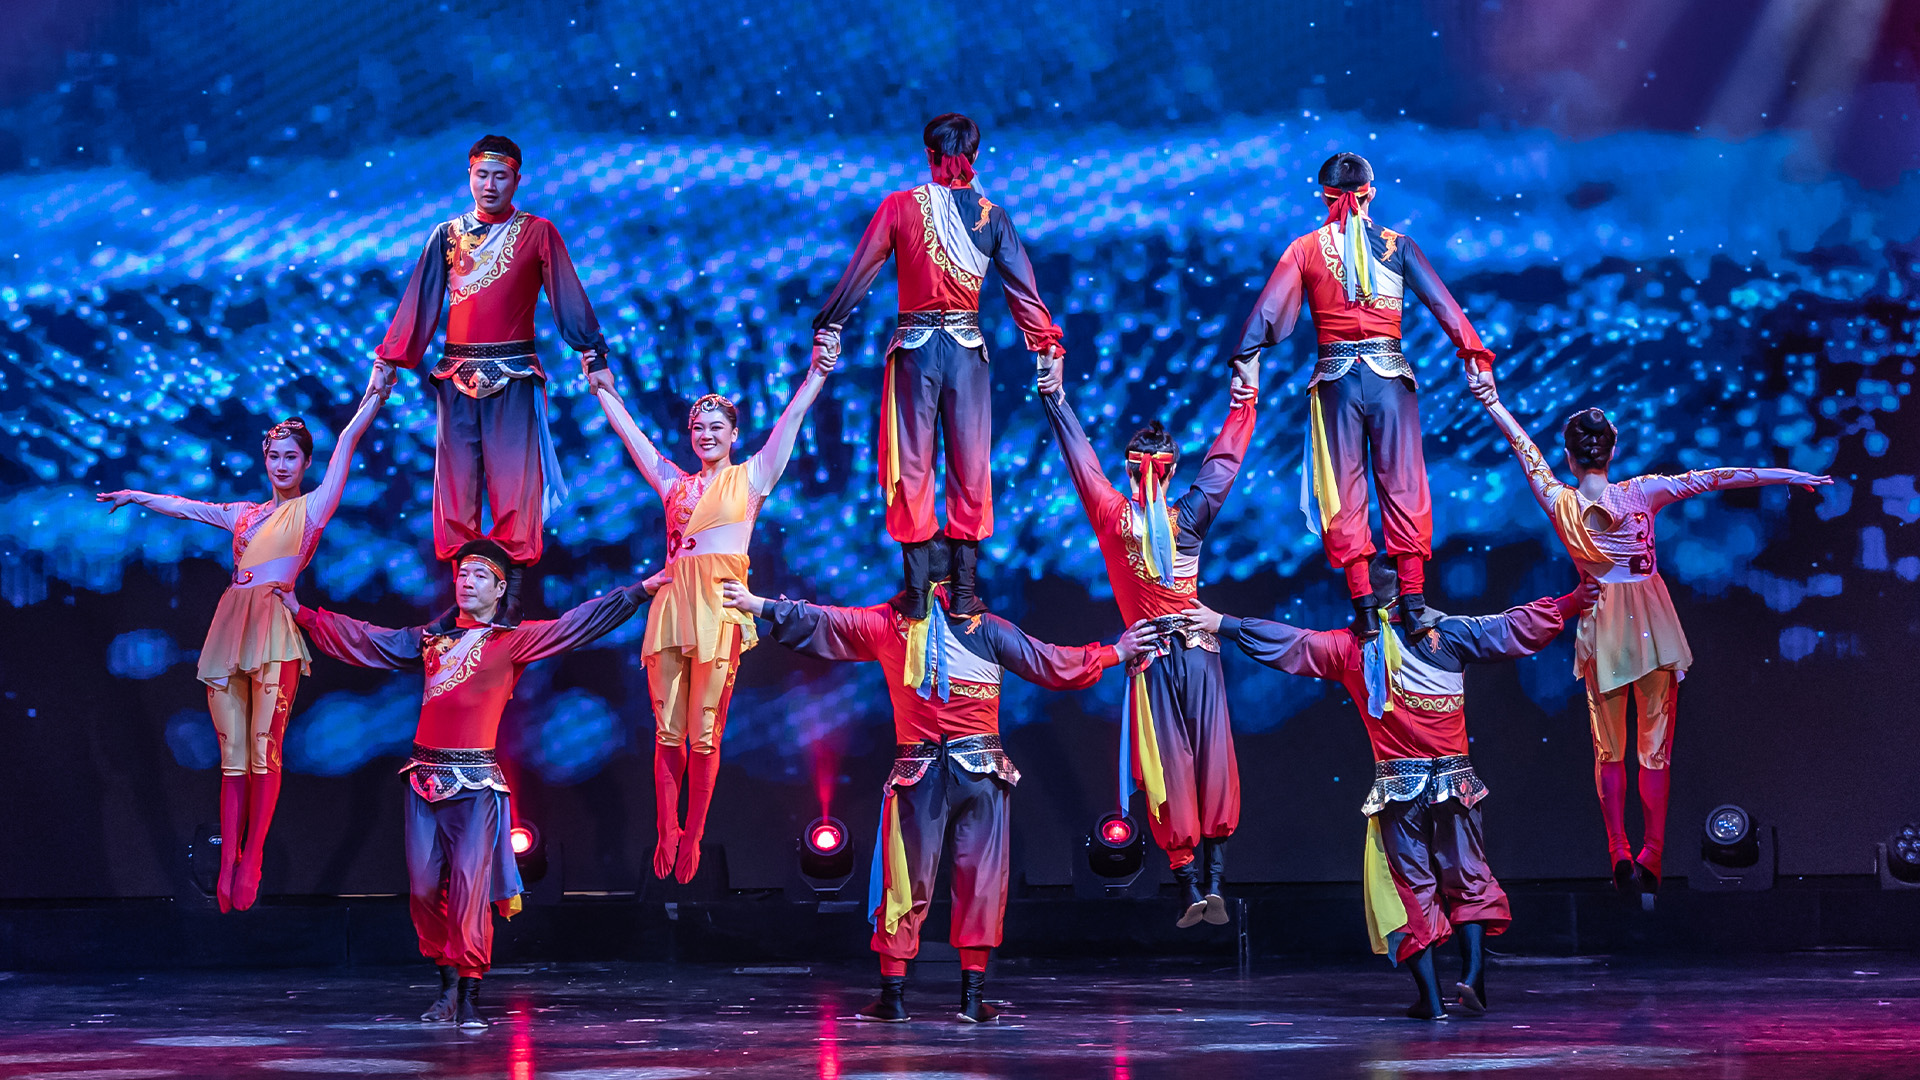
(495, 155)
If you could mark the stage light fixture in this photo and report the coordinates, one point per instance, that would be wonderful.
(528, 852)
(826, 856)
(1898, 859)
(1114, 851)
(1735, 853)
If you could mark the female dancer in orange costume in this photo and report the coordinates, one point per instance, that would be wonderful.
(693, 643)
(1630, 640)
(254, 655)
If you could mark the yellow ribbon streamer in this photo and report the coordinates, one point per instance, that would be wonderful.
(914, 671)
(1146, 749)
(1390, 650)
(1386, 912)
(899, 892)
(890, 450)
(1326, 490)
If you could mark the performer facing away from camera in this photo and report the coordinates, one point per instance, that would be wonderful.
(254, 656)
(951, 774)
(1426, 874)
(1631, 642)
(459, 813)
(693, 643)
(487, 266)
(1176, 739)
(1364, 406)
(944, 236)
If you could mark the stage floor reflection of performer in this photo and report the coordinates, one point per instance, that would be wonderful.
(254, 656)
(459, 812)
(1631, 642)
(693, 642)
(1426, 872)
(951, 776)
(1176, 738)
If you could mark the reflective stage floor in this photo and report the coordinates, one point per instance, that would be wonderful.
(1844, 1014)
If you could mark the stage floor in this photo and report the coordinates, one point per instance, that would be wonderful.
(1850, 1014)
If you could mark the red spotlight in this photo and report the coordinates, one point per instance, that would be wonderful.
(521, 837)
(1117, 831)
(825, 838)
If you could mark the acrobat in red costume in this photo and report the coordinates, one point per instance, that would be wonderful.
(944, 235)
(460, 863)
(254, 656)
(1176, 737)
(951, 775)
(1631, 642)
(1364, 402)
(488, 267)
(1426, 871)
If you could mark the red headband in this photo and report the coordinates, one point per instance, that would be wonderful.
(1344, 203)
(498, 570)
(1149, 485)
(952, 170)
(494, 155)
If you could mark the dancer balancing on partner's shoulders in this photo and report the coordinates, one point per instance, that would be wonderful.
(945, 235)
(1426, 875)
(254, 656)
(1631, 642)
(950, 774)
(459, 813)
(1363, 400)
(1176, 739)
(693, 642)
(486, 268)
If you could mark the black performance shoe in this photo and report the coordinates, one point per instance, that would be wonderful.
(1193, 904)
(1649, 886)
(1213, 852)
(916, 564)
(1625, 881)
(973, 999)
(1415, 619)
(466, 1011)
(891, 1006)
(442, 1008)
(1366, 618)
(964, 593)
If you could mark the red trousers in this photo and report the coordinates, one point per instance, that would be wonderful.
(1375, 421)
(1188, 693)
(1439, 864)
(941, 388)
(975, 808)
(490, 446)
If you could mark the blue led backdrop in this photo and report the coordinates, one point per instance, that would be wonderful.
(206, 221)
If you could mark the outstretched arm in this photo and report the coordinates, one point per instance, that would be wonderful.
(830, 633)
(350, 640)
(1516, 632)
(1546, 486)
(572, 311)
(1058, 667)
(1022, 289)
(1274, 313)
(596, 618)
(766, 466)
(1663, 490)
(1433, 292)
(1317, 654)
(658, 471)
(418, 314)
(1083, 464)
(876, 244)
(1203, 501)
(326, 498)
(221, 515)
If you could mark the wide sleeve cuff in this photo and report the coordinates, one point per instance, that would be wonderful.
(1108, 657)
(1229, 627)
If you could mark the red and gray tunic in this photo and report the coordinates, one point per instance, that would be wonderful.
(491, 270)
(943, 239)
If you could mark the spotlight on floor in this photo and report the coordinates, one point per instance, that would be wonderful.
(826, 856)
(1898, 859)
(1736, 854)
(528, 852)
(1115, 849)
